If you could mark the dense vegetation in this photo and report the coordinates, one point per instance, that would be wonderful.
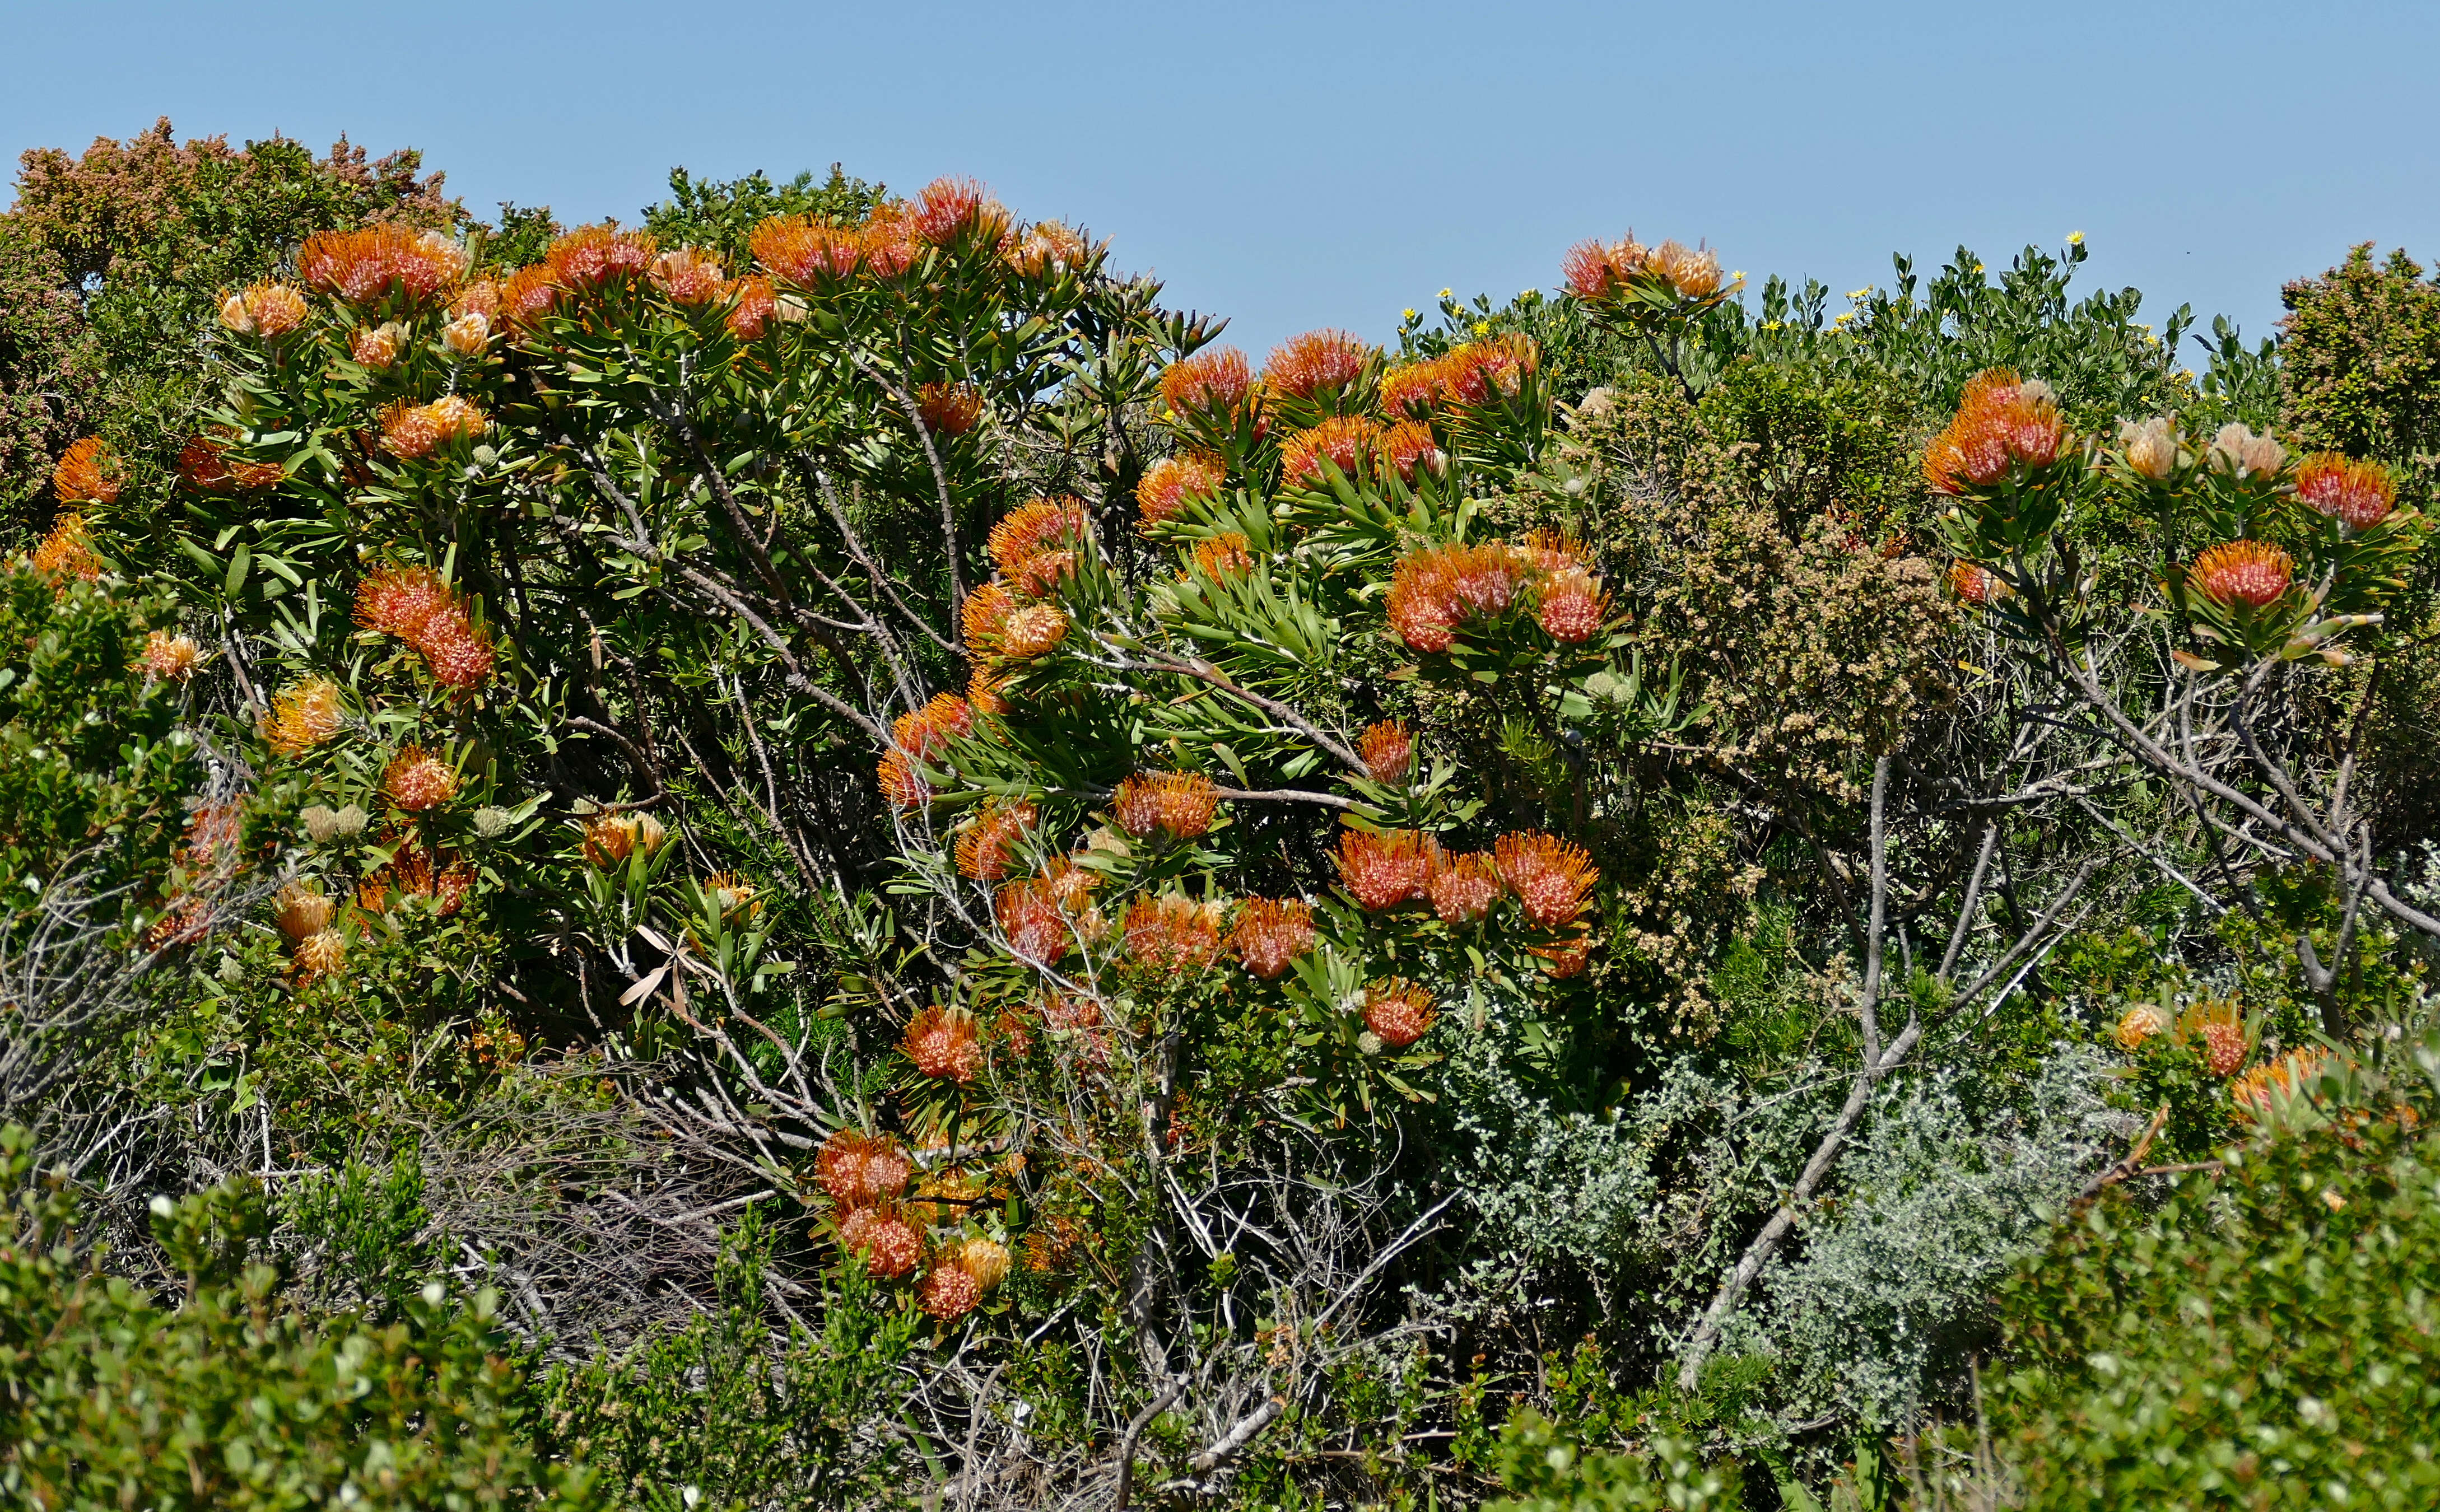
(814, 854)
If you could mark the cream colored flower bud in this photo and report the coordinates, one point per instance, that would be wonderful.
(467, 335)
(379, 347)
(2237, 450)
(2151, 447)
(236, 316)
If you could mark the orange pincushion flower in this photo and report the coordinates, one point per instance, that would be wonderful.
(1474, 373)
(1172, 934)
(900, 783)
(417, 780)
(804, 249)
(205, 464)
(1050, 247)
(1976, 584)
(457, 654)
(378, 345)
(753, 303)
(1038, 525)
(982, 692)
(592, 255)
(301, 909)
(2360, 494)
(944, 1043)
(320, 956)
(66, 552)
(2136, 1025)
(687, 277)
(986, 1260)
(1033, 630)
(303, 716)
(2002, 421)
(1177, 803)
(1349, 441)
(2261, 1091)
(1382, 870)
(857, 1169)
(2254, 573)
(1567, 957)
(1388, 749)
(1462, 888)
(949, 208)
(2220, 1034)
(265, 310)
(988, 845)
(88, 473)
(886, 244)
(984, 617)
(1216, 383)
(950, 1292)
(467, 336)
(950, 409)
(1222, 556)
(481, 297)
(1434, 589)
(889, 1243)
(1318, 360)
(169, 658)
(361, 266)
(1169, 482)
(410, 432)
(926, 731)
(1549, 875)
(1397, 1011)
(1030, 916)
(1588, 270)
(1692, 272)
(609, 839)
(396, 601)
(1571, 606)
(1406, 444)
(1411, 392)
(1270, 933)
(529, 295)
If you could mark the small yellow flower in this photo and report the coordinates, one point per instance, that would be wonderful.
(1842, 318)
(1409, 312)
(1977, 266)
(1859, 293)
(1445, 293)
(1482, 327)
(2075, 239)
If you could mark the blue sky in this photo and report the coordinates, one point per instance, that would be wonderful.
(1295, 166)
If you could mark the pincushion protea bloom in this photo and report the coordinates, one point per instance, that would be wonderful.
(468, 335)
(1038, 525)
(2262, 1090)
(1270, 933)
(1434, 589)
(411, 431)
(949, 209)
(2220, 1033)
(1169, 482)
(1170, 932)
(944, 1043)
(1570, 606)
(857, 1169)
(529, 295)
(984, 617)
(949, 1292)
(2357, 494)
(2243, 452)
(687, 277)
(1031, 917)
(1048, 247)
(66, 552)
(1595, 270)
(1462, 888)
(1566, 956)
(2254, 573)
(1382, 869)
(169, 657)
(88, 473)
(1413, 390)
(752, 303)
(1388, 749)
(886, 244)
(735, 894)
(1177, 803)
(301, 909)
(1222, 556)
(377, 346)
(989, 843)
(303, 716)
(923, 733)
(950, 409)
(1408, 445)
(417, 780)
(205, 464)
(986, 1260)
(983, 691)
(1550, 877)
(376, 262)
(396, 601)
(457, 654)
(2150, 448)
(264, 310)
(1316, 361)
(1031, 631)
(591, 257)
(1691, 272)
(320, 956)
(1976, 584)
(889, 1243)
(610, 838)
(1476, 372)
(2138, 1024)
(2002, 420)
(1398, 1011)
(1214, 384)
(1348, 441)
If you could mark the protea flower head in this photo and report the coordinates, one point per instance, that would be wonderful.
(1348, 441)
(529, 295)
(1178, 804)
(949, 1292)
(265, 310)
(986, 1260)
(1976, 584)
(984, 617)
(1479, 372)
(1691, 272)
(1171, 932)
(396, 601)
(891, 1246)
(1388, 749)
(417, 780)
(901, 784)
(377, 346)
(88, 473)
(950, 210)
(1382, 869)
(944, 1043)
(468, 335)
(321, 955)
(611, 838)
(1408, 445)
(1221, 556)
(1048, 248)
(1030, 916)
(2218, 1032)
(2001, 420)
(481, 297)
(205, 464)
(2150, 448)
(593, 257)
(1411, 392)
(1570, 606)
(1169, 482)
(687, 277)
(324, 824)
(382, 261)
(1550, 877)
(301, 909)
(950, 409)
(1032, 630)
(1039, 525)
(886, 244)
(2254, 573)
(2357, 494)
(752, 303)
(1214, 384)
(305, 714)
(1397, 1011)
(457, 655)
(169, 657)
(858, 1169)
(2262, 1092)
(1317, 362)
(2242, 452)
(989, 843)
(806, 251)
(1462, 888)
(66, 551)
(983, 691)
(1271, 932)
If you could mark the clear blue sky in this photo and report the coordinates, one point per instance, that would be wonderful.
(1326, 164)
